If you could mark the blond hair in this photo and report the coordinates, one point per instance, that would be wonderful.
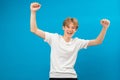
(68, 20)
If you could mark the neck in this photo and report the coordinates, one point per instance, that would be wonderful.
(67, 39)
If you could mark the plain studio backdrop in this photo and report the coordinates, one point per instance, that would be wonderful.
(25, 56)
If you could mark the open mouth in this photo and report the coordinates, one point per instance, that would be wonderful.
(70, 33)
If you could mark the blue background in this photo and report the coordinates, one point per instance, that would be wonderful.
(25, 56)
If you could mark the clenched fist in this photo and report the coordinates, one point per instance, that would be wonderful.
(35, 6)
(105, 23)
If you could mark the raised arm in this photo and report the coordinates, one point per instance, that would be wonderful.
(33, 24)
(105, 24)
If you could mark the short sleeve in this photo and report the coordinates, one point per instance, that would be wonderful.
(48, 37)
(83, 43)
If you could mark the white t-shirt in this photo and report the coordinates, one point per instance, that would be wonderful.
(63, 55)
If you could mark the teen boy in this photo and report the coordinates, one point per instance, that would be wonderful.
(64, 48)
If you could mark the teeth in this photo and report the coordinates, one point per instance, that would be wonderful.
(69, 32)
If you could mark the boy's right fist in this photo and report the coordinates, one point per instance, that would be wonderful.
(35, 6)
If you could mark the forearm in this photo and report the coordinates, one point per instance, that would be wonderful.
(33, 24)
(105, 24)
(101, 36)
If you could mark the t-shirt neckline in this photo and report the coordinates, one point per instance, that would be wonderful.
(65, 41)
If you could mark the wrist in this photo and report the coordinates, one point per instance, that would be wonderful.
(105, 28)
(33, 12)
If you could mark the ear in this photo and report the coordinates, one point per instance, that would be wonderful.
(63, 27)
(76, 30)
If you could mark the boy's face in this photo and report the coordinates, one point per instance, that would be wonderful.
(69, 30)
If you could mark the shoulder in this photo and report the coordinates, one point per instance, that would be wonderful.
(76, 39)
(49, 33)
(81, 43)
(52, 34)
(51, 37)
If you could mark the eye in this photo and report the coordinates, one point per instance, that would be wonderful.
(73, 27)
(68, 27)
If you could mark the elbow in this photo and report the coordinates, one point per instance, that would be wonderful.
(99, 42)
(33, 30)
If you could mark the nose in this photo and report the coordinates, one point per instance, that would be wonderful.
(70, 29)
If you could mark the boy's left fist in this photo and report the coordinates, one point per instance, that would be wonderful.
(105, 23)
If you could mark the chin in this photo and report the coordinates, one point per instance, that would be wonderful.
(69, 36)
